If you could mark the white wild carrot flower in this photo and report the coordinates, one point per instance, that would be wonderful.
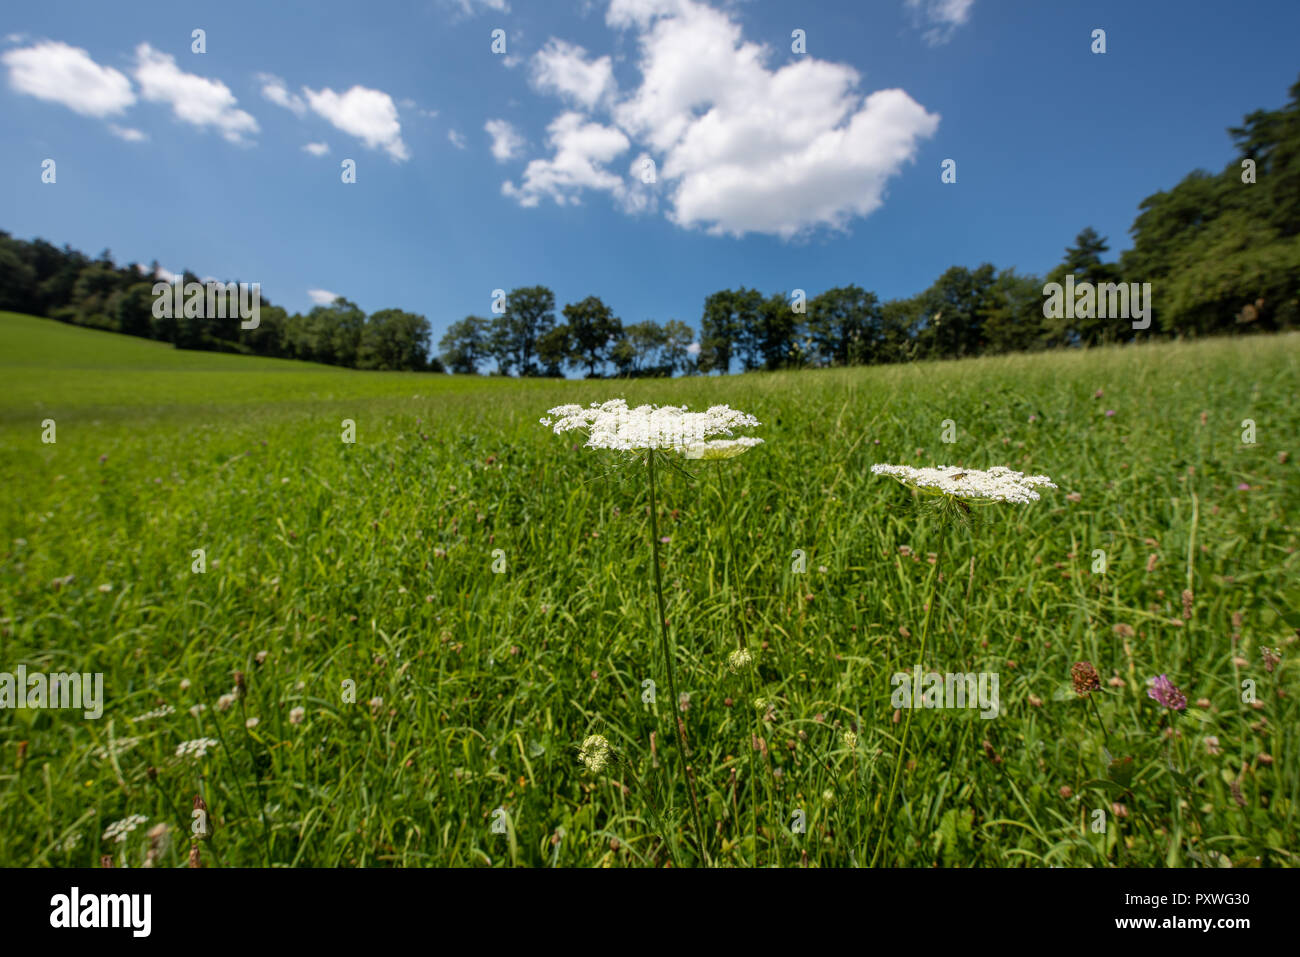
(998, 484)
(739, 660)
(162, 712)
(594, 753)
(198, 748)
(613, 425)
(118, 830)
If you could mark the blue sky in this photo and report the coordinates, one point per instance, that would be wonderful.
(773, 169)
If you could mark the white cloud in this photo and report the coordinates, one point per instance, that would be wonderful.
(369, 115)
(195, 99)
(470, 7)
(506, 141)
(457, 140)
(693, 349)
(274, 89)
(942, 16)
(316, 149)
(581, 148)
(65, 74)
(130, 134)
(740, 147)
(563, 68)
(165, 275)
(322, 297)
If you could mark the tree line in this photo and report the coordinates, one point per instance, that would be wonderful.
(1220, 250)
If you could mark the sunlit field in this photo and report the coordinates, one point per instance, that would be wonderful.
(396, 647)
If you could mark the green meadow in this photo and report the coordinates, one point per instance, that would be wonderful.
(429, 621)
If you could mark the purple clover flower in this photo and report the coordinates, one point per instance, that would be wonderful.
(1166, 693)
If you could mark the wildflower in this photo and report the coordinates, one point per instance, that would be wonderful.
(998, 484)
(225, 701)
(198, 748)
(252, 723)
(828, 797)
(612, 425)
(1085, 678)
(105, 588)
(198, 709)
(1187, 604)
(1271, 658)
(118, 830)
(162, 712)
(850, 740)
(1166, 693)
(1110, 413)
(594, 753)
(1243, 487)
(296, 715)
(739, 660)
(1212, 744)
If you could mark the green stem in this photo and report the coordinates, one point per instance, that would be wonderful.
(680, 736)
(907, 722)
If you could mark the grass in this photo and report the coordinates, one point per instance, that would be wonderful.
(373, 563)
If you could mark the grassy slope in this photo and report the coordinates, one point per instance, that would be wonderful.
(323, 554)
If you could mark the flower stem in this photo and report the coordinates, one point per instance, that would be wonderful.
(907, 722)
(680, 737)
(1104, 736)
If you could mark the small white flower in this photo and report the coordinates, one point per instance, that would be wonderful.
(739, 660)
(252, 723)
(594, 753)
(850, 740)
(998, 484)
(118, 830)
(225, 701)
(197, 709)
(296, 715)
(162, 712)
(198, 748)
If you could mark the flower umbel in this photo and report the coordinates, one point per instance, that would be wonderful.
(594, 753)
(1166, 693)
(998, 484)
(739, 660)
(612, 425)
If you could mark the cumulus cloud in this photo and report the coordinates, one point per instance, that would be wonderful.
(741, 147)
(197, 100)
(939, 18)
(316, 149)
(369, 115)
(67, 75)
(563, 68)
(580, 151)
(457, 140)
(322, 297)
(506, 141)
(274, 89)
